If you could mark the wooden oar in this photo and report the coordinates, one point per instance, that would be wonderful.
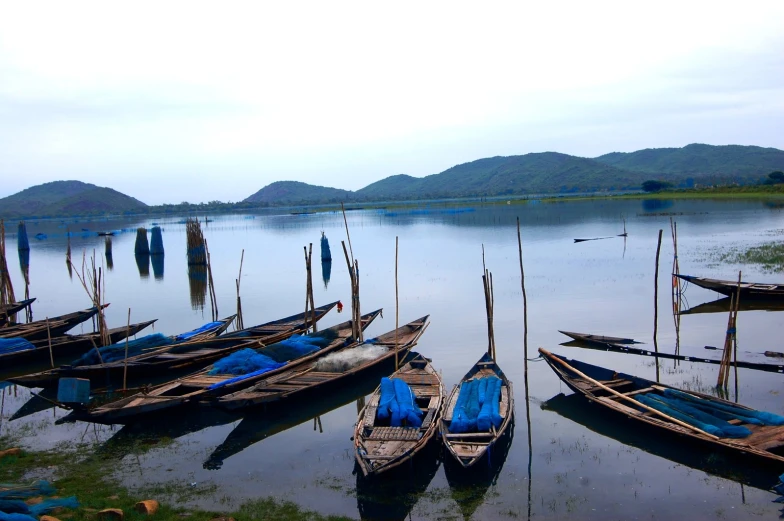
(623, 396)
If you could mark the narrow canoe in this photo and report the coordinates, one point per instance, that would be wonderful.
(8, 310)
(747, 289)
(55, 326)
(306, 376)
(202, 384)
(379, 447)
(468, 448)
(68, 345)
(764, 444)
(586, 337)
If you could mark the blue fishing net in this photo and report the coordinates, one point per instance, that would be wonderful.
(14, 345)
(16, 517)
(716, 408)
(477, 407)
(692, 416)
(115, 352)
(299, 345)
(209, 326)
(48, 505)
(326, 254)
(398, 404)
(244, 361)
(14, 506)
(39, 488)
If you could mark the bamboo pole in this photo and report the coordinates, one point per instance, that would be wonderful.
(49, 337)
(525, 303)
(354, 325)
(656, 305)
(726, 358)
(345, 221)
(213, 296)
(125, 365)
(310, 286)
(622, 396)
(240, 323)
(397, 306)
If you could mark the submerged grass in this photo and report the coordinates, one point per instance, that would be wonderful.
(77, 471)
(770, 256)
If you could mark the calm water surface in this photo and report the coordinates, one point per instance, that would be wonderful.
(583, 464)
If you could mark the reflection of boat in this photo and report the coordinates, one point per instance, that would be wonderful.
(257, 427)
(747, 289)
(7, 310)
(202, 385)
(42, 401)
(393, 497)
(67, 345)
(130, 367)
(54, 326)
(378, 446)
(469, 486)
(723, 306)
(586, 337)
(605, 423)
(624, 394)
(617, 348)
(308, 376)
(469, 447)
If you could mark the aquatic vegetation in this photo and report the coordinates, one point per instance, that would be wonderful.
(770, 256)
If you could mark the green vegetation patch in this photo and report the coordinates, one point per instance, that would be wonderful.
(769, 256)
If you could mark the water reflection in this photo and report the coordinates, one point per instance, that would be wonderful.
(157, 266)
(697, 456)
(326, 272)
(722, 305)
(469, 486)
(143, 263)
(197, 282)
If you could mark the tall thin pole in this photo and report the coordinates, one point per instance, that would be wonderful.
(397, 305)
(345, 221)
(125, 366)
(656, 304)
(525, 302)
(49, 336)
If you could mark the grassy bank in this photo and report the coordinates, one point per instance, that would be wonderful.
(77, 471)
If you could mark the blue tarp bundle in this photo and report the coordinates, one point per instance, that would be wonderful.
(477, 407)
(398, 403)
(39, 488)
(678, 409)
(203, 329)
(243, 362)
(13, 345)
(727, 411)
(299, 345)
(116, 351)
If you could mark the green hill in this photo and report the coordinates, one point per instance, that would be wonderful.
(730, 162)
(60, 198)
(294, 192)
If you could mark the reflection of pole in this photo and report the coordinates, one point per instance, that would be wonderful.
(656, 305)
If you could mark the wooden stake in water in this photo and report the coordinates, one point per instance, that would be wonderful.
(239, 322)
(397, 306)
(726, 357)
(656, 304)
(49, 336)
(525, 301)
(345, 221)
(125, 367)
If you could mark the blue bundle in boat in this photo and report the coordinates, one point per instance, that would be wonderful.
(478, 398)
(14, 345)
(693, 416)
(727, 411)
(398, 404)
(116, 351)
(244, 361)
(299, 345)
(202, 329)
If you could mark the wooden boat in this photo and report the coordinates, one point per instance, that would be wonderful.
(729, 287)
(296, 380)
(68, 345)
(185, 356)
(55, 326)
(102, 372)
(11, 309)
(600, 385)
(200, 385)
(586, 337)
(722, 305)
(617, 348)
(378, 447)
(468, 448)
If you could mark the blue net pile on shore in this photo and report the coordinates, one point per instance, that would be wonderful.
(709, 416)
(398, 404)
(115, 352)
(14, 345)
(477, 408)
(14, 508)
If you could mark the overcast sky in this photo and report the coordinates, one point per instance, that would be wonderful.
(169, 101)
